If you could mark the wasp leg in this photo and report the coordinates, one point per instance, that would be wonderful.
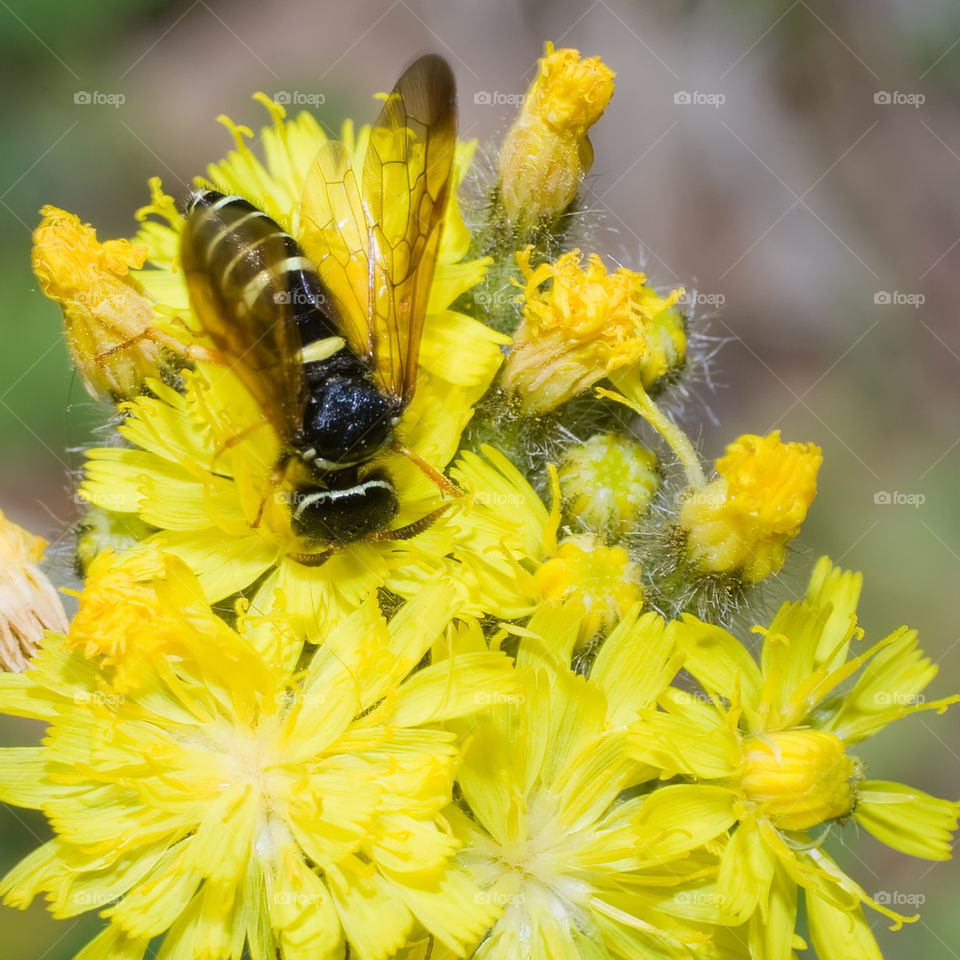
(313, 559)
(446, 486)
(185, 350)
(273, 484)
(411, 529)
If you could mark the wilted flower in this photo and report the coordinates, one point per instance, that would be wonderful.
(581, 328)
(29, 605)
(106, 316)
(546, 153)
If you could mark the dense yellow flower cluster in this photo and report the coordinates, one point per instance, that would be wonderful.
(510, 723)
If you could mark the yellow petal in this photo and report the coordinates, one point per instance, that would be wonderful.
(677, 819)
(839, 934)
(718, 660)
(907, 819)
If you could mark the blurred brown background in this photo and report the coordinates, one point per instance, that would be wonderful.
(798, 163)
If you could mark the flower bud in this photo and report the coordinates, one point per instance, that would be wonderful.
(546, 152)
(603, 579)
(800, 778)
(105, 314)
(666, 348)
(29, 605)
(742, 521)
(608, 481)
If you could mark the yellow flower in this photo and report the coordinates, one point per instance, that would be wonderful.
(199, 468)
(105, 313)
(768, 748)
(742, 521)
(29, 605)
(547, 152)
(587, 324)
(544, 822)
(235, 800)
(504, 534)
(608, 481)
(603, 579)
(509, 558)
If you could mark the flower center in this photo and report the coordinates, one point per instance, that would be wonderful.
(537, 867)
(799, 777)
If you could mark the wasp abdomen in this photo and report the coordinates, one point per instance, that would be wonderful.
(259, 277)
(255, 266)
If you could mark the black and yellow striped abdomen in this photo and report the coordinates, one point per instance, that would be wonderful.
(271, 317)
(256, 267)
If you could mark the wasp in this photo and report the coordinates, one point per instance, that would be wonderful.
(325, 333)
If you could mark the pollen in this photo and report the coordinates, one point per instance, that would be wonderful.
(584, 325)
(547, 152)
(800, 778)
(106, 316)
(29, 605)
(603, 579)
(743, 520)
(608, 481)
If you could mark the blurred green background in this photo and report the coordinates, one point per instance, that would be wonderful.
(818, 204)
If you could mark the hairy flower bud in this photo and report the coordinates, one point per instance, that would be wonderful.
(604, 579)
(608, 481)
(742, 521)
(546, 152)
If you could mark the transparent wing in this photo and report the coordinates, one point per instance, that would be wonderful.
(336, 238)
(406, 182)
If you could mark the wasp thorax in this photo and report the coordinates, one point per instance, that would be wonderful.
(346, 420)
